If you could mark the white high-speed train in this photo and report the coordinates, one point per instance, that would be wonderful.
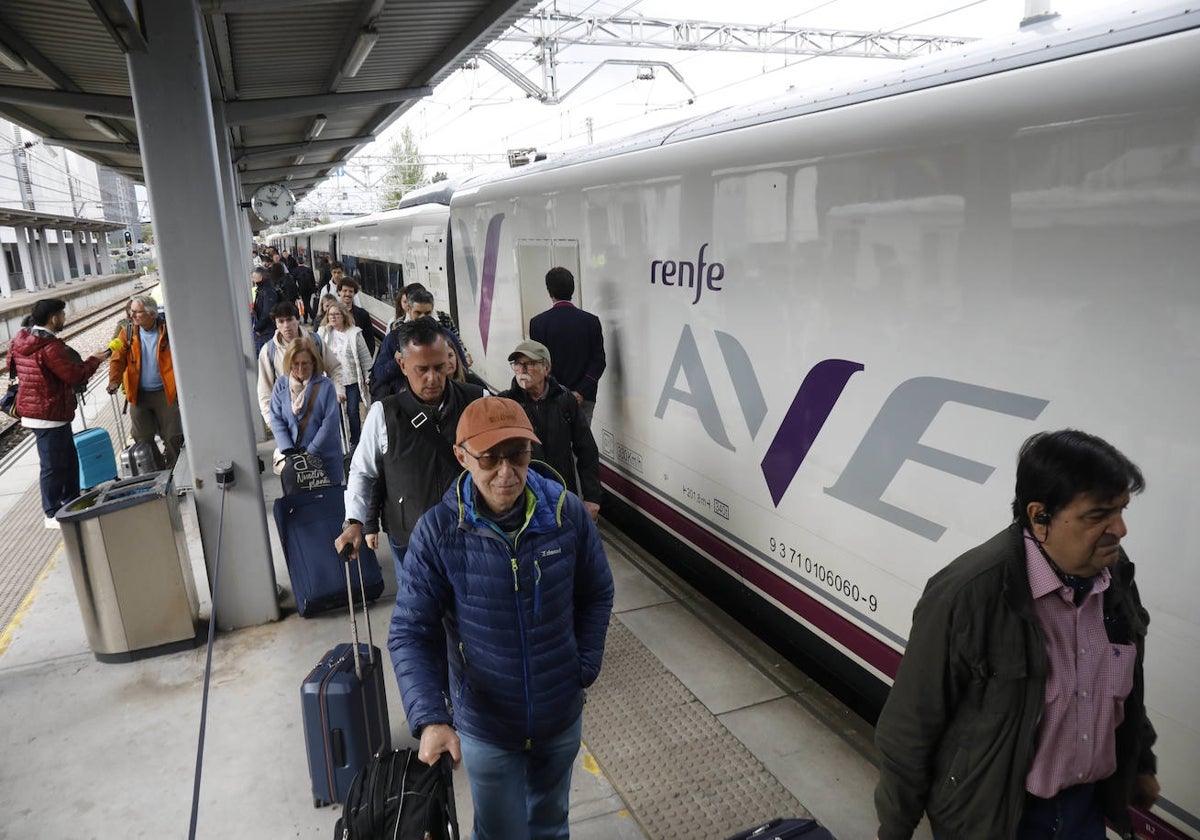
(832, 319)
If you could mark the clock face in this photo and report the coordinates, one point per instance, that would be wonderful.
(273, 203)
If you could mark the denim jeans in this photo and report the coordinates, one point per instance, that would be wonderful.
(522, 794)
(1070, 815)
(353, 401)
(59, 477)
(397, 556)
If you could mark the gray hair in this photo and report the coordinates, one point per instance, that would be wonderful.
(148, 303)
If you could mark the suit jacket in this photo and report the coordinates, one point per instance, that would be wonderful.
(576, 344)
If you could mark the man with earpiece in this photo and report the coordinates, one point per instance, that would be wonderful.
(1018, 708)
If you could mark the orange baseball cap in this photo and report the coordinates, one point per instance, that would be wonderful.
(490, 420)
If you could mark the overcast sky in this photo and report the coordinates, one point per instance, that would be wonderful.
(480, 112)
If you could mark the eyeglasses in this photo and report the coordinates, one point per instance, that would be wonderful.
(526, 365)
(491, 460)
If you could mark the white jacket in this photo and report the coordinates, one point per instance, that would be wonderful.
(355, 359)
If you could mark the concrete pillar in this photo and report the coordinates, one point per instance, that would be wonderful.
(5, 283)
(90, 250)
(106, 263)
(179, 155)
(63, 259)
(42, 255)
(25, 254)
(82, 256)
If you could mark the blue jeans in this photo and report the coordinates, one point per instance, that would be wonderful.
(397, 556)
(60, 466)
(353, 401)
(522, 794)
(1072, 814)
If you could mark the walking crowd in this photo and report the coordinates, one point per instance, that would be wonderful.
(1017, 710)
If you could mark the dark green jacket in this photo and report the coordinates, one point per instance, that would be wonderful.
(959, 729)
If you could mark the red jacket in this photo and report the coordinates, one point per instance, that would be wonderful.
(48, 370)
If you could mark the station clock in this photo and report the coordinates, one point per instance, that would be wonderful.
(273, 203)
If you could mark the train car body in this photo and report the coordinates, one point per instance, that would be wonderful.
(386, 251)
(831, 322)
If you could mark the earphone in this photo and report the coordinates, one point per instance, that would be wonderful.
(1042, 518)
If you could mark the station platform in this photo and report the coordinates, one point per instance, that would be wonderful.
(695, 729)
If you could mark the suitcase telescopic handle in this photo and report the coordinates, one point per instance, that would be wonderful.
(116, 407)
(345, 555)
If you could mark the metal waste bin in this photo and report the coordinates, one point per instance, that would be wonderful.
(130, 564)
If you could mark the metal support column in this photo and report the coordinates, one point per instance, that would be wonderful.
(238, 235)
(24, 252)
(63, 259)
(178, 144)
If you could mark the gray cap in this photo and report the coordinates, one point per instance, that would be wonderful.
(532, 349)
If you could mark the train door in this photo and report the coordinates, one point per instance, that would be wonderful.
(534, 258)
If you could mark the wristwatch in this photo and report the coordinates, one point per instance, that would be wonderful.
(350, 522)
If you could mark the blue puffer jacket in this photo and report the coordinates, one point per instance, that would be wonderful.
(524, 626)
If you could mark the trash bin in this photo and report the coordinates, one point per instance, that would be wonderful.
(130, 564)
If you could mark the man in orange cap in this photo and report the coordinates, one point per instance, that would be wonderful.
(509, 573)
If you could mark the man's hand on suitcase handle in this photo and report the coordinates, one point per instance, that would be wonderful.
(348, 543)
(438, 738)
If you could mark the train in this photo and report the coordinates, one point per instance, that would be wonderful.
(831, 319)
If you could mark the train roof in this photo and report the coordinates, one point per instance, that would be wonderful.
(1051, 39)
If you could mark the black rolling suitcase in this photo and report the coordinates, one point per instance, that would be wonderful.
(786, 829)
(345, 711)
(399, 797)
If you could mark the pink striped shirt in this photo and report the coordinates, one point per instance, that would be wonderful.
(1089, 678)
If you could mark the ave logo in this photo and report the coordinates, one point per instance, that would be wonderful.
(893, 437)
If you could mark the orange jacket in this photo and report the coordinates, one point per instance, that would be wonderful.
(126, 363)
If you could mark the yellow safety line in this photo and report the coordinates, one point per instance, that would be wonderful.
(6, 637)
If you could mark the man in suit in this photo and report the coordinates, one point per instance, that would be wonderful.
(574, 338)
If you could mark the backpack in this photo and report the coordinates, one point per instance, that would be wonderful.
(399, 796)
(312, 336)
(288, 290)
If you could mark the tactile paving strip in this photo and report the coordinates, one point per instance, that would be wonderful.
(679, 770)
(27, 547)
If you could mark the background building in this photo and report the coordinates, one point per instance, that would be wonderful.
(55, 209)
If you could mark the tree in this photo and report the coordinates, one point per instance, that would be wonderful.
(405, 171)
(148, 233)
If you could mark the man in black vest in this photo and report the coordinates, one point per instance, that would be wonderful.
(405, 459)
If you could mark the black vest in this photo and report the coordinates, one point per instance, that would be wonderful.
(419, 463)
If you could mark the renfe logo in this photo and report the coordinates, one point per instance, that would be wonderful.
(893, 438)
(691, 275)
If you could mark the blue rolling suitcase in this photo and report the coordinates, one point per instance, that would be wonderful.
(308, 523)
(97, 458)
(344, 707)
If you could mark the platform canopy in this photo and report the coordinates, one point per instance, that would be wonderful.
(303, 83)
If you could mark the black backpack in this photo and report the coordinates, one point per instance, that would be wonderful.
(399, 797)
(288, 290)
